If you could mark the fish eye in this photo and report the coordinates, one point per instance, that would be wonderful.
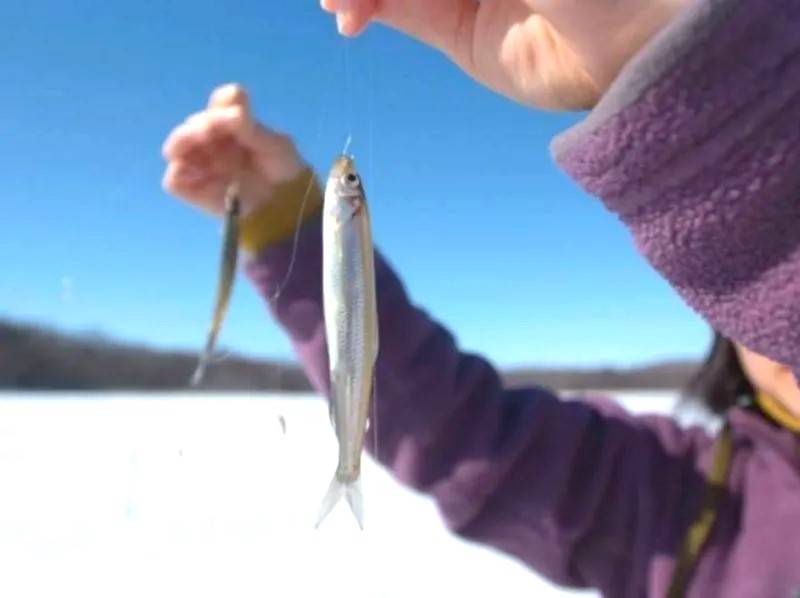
(351, 180)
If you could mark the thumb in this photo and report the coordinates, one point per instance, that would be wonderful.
(447, 25)
(230, 95)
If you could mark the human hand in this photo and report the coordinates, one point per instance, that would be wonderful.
(551, 54)
(224, 142)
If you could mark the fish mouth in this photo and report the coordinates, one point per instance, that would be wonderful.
(343, 165)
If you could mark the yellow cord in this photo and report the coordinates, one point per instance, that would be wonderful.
(276, 220)
(778, 412)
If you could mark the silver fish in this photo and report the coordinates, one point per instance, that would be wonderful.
(351, 326)
(227, 274)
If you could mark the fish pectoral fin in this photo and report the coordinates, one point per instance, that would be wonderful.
(373, 404)
(332, 411)
(336, 385)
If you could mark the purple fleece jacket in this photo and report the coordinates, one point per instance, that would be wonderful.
(696, 148)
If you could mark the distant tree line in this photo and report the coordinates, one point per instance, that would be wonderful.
(673, 375)
(34, 358)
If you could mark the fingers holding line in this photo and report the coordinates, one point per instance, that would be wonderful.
(203, 151)
(352, 16)
(203, 188)
(447, 25)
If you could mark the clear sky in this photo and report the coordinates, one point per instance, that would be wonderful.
(489, 236)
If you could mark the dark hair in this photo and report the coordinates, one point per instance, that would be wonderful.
(720, 383)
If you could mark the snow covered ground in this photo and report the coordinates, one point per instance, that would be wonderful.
(176, 495)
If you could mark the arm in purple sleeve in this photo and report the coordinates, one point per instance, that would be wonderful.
(583, 494)
(696, 147)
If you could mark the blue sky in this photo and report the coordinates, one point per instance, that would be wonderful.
(489, 236)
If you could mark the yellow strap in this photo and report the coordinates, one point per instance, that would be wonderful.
(698, 533)
(276, 220)
(778, 412)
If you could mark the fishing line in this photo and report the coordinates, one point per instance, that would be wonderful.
(348, 91)
(348, 83)
(295, 239)
(208, 357)
(375, 416)
(371, 162)
(220, 356)
(371, 117)
(299, 221)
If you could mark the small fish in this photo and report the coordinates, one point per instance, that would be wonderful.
(230, 255)
(351, 326)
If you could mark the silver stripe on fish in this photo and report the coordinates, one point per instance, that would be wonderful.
(351, 326)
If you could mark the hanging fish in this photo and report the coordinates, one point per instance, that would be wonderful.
(351, 326)
(227, 275)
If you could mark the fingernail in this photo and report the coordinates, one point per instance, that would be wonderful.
(344, 22)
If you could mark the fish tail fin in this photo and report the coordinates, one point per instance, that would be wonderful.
(332, 496)
(351, 490)
(205, 358)
(199, 372)
(355, 499)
